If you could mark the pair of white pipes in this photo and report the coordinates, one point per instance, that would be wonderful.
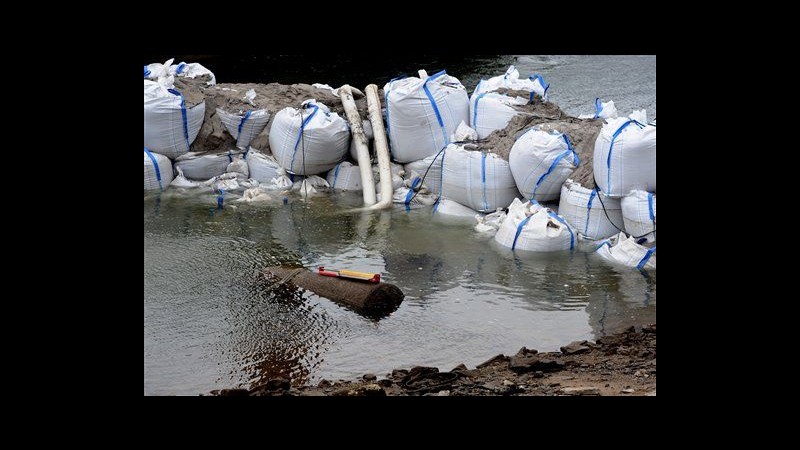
(362, 150)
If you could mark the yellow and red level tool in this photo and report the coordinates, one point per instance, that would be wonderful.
(351, 275)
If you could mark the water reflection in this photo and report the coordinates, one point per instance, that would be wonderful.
(465, 298)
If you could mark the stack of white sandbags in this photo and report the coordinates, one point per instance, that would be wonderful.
(490, 110)
(309, 140)
(422, 113)
(540, 162)
(532, 227)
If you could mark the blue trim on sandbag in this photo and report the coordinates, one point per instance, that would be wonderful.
(549, 170)
(408, 199)
(541, 81)
(483, 181)
(650, 207)
(646, 258)
(180, 68)
(241, 124)
(300, 132)
(598, 107)
(155, 164)
(433, 103)
(336, 175)
(183, 115)
(146, 72)
(611, 148)
(519, 230)
(475, 110)
(589, 211)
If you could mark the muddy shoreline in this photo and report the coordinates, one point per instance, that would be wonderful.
(621, 364)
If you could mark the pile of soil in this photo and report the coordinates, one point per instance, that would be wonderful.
(231, 97)
(619, 364)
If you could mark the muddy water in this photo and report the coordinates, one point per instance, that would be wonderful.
(210, 322)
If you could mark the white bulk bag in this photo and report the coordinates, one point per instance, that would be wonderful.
(433, 178)
(157, 171)
(422, 113)
(624, 250)
(169, 127)
(192, 70)
(368, 133)
(444, 208)
(246, 126)
(345, 177)
(625, 157)
(482, 181)
(490, 111)
(639, 214)
(262, 167)
(323, 138)
(583, 210)
(202, 166)
(541, 161)
(532, 227)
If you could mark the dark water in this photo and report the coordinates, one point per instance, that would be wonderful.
(210, 322)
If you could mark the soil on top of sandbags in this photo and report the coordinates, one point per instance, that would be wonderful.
(273, 97)
(192, 89)
(582, 134)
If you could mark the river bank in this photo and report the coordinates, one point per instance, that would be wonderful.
(618, 364)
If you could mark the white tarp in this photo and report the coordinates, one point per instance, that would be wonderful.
(625, 155)
(202, 166)
(532, 227)
(422, 113)
(481, 181)
(157, 171)
(262, 167)
(323, 138)
(541, 161)
(624, 250)
(244, 126)
(583, 210)
(368, 133)
(346, 176)
(602, 110)
(639, 214)
(490, 111)
(433, 178)
(169, 126)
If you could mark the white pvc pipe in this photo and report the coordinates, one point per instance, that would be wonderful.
(362, 150)
(381, 147)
